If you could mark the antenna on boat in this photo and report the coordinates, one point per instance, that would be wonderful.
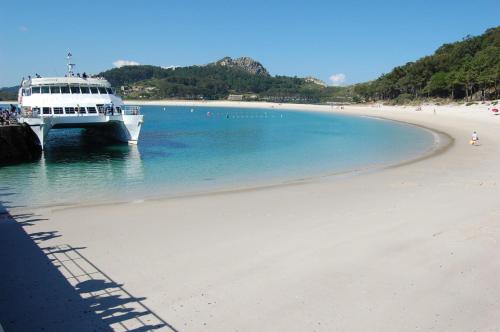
(70, 65)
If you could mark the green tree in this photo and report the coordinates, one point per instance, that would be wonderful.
(438, 84)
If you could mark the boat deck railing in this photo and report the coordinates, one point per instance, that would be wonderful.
(131, 110)
(29, 114)
(101, 110)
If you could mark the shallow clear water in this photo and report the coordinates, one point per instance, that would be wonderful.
(184, 150)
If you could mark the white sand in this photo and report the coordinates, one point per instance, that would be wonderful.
(415, 247)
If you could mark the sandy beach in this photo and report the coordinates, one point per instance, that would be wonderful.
(414, 247)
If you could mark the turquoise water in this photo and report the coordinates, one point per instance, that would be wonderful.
(184, 150)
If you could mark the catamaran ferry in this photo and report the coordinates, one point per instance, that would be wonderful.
(75, 101)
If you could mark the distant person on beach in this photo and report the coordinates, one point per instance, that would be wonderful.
(474, 139)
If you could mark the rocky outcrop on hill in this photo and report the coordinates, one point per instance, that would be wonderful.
(18, 144)
(316, 81)
(247, 64)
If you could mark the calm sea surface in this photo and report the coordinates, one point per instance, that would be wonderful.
(184, 150)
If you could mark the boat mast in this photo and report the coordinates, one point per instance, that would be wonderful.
(70, 65)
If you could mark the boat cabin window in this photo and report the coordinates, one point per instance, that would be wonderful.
(81, 110)
(69, 110)
(118, 109)
(58, 110)
(109, 91)
(102, 90)
(55, 89)
(35, 89)
(65, 89)
(36, 110)
(46, 110)
(74, 89)
(45, 89)
(94, 90)
(91, 110)
(85, 89)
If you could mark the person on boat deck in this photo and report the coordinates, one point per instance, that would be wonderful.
(84, 75)
(112, 109)
(4, 117)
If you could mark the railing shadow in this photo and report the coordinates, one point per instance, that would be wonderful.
(57, 289)
(108, 299)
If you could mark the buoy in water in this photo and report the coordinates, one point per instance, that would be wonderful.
(209, 114)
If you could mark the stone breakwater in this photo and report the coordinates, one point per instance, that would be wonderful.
(18, 143)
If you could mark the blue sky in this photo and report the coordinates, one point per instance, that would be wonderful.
(359, 39)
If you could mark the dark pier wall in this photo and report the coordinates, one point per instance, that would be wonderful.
(18, 143)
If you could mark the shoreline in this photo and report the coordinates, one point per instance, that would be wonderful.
(442, 142)
(404, 247)
(441, 145)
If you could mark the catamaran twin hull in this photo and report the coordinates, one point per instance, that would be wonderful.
(121, 127)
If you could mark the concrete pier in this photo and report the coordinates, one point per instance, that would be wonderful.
(18, 143)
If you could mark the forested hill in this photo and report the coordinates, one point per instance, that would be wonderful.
(218, 80)
(463, 70)
(468, 69)
(9, 93)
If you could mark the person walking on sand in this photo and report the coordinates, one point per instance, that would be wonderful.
(474, 139)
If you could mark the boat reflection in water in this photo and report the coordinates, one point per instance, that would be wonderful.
(78, 167)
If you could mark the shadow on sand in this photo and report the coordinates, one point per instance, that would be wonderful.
(56, 288)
